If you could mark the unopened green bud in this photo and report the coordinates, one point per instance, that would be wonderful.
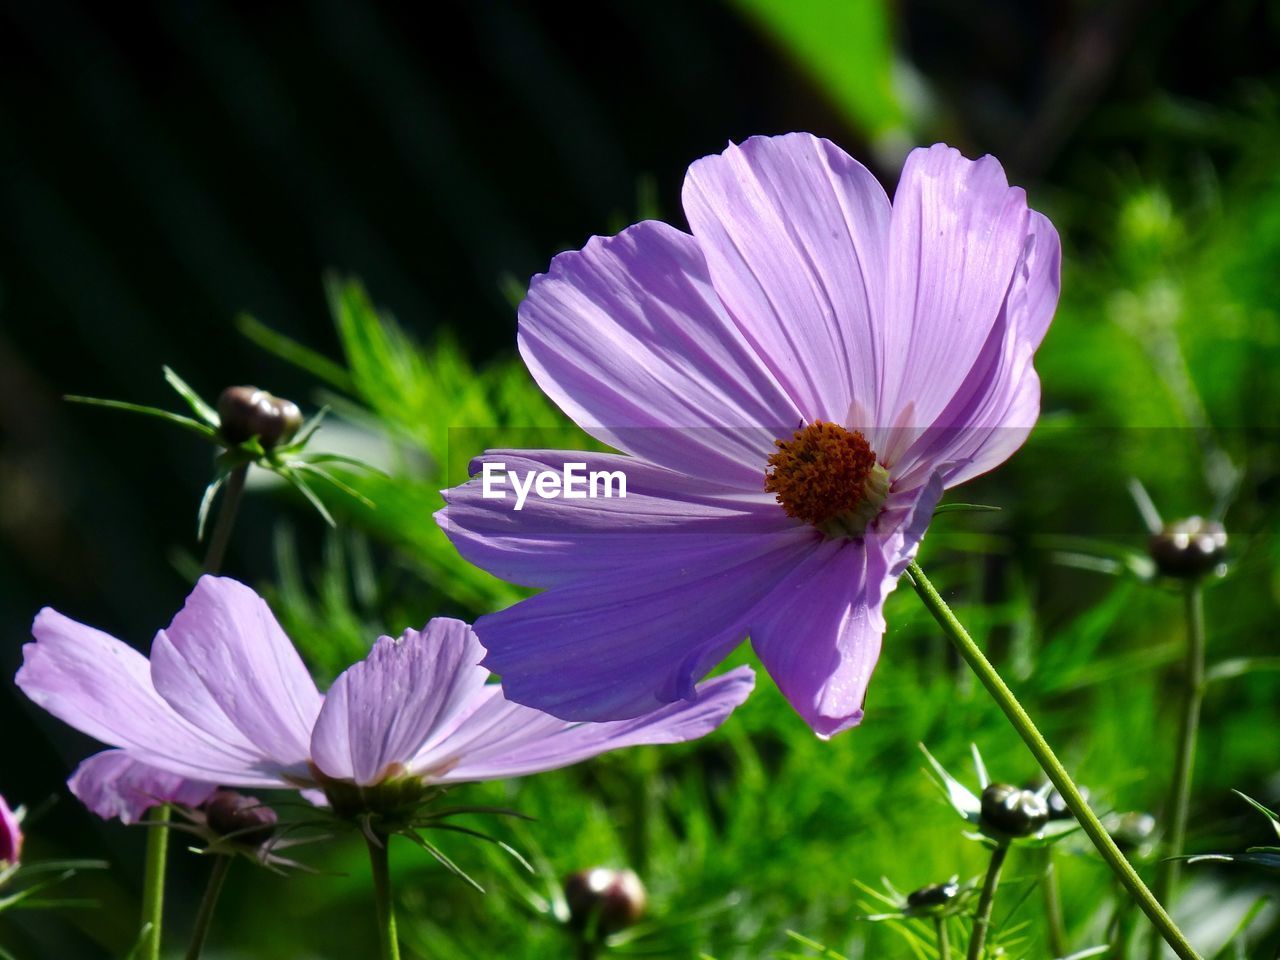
(933, 897)
(248, 412)
(1189, 549)
(1013, 812)
(604, 900)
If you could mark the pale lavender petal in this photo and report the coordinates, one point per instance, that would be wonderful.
(999, 402)
(819, 632)
(958, 234)
(381, 711)
(628, 642)
(554, 541)
(114, 785)
(628, 337)
(795, 234)
(102, 687)
(10, 835)
(226, 637)
(518, 740)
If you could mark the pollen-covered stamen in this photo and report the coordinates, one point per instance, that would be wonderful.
(828, 476)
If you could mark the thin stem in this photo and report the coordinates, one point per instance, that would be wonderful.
(158, 836)
(382, 896)
(1053, 906)
(982, 918)
(944, 938)
(153, 883)
(204, 918)
(1176, 808)
(1049, 762)
(226, 519)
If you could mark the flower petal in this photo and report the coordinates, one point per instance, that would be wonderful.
(114, 785)
(795, 233)
(10, 835)
(819, 632)
(519, 741)
(628, 338)
(226, 637)
(554, 541)
(958, 234)
(381, 711)
(634, 639)
(102, 687)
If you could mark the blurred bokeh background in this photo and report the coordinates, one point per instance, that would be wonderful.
(170, 169)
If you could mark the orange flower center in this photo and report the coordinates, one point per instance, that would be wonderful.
(828, 476)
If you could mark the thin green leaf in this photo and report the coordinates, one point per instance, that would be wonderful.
(1239, 667)
(290, 350)
(442, 859)
(206, 503)
(942, 508)
(185, 422)
(194, 400)
(302, 487)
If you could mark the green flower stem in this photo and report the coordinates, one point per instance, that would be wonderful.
(153, 882)
(1184, 764)
(982, 918)
(158, 835)
(1053, 906)
(204, 918)
(1049, 762)
(944, 939)
(226, 519)
(382, 896)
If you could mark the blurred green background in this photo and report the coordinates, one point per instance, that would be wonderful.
(170, 167)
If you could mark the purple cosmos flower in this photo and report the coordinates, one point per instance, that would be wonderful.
(226, 699)
(793, 385)
(115, 785)
(10, 836)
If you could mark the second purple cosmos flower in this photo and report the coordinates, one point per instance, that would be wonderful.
(793, 384)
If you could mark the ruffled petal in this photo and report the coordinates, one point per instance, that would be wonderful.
(629, 339)
(819, 631)
(627, 642)
(102, 687)
(795, 234)
(548, 542)
(517, 741)
(226, 638)
(116, 786)
(958, 235)
(381, 711)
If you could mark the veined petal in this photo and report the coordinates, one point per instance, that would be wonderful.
(627, 642)
(957, 236)
(102, 687)
(227, 637)
(795, 234)
(819, 631)
(629, 339)
(114, 785)
(381, 711)
(548, 542)
(518, 741)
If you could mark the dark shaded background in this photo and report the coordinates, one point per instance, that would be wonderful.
(166, 166)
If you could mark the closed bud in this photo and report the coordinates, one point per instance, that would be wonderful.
(933, 897)
(1058, 809)
(1189, 549)
(240, 818)
(247, 412)
(1132, 831)
(604, 900)
(1013, 812)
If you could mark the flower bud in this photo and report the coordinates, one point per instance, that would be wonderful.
(248, 412)
(1013, 812)
(1188, 549)
(1058, 809)
(611, 900)
(1131, 831)
(239, 817)
(10, 835)
(933, 897)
